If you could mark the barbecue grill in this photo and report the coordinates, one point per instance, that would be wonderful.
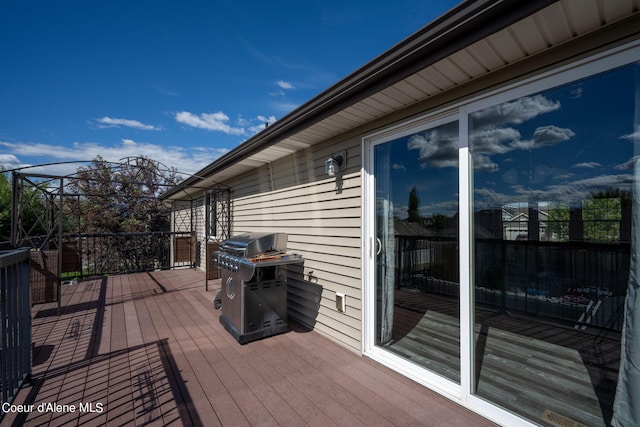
(254, 284)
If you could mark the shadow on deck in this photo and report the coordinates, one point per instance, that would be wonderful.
(148, 349)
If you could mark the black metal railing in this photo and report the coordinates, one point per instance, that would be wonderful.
(91, 254)
(15, 323)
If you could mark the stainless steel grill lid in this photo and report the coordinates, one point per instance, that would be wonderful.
(249, 245)
(241, 254)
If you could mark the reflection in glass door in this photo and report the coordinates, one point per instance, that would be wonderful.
(416, 258)
(554, 174)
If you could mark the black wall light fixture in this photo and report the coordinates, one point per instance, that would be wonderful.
(335, 163)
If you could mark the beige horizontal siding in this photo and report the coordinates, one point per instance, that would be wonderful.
(300, 168)
(331, 256)
(345, 246)
(321, 315)
(322, 218)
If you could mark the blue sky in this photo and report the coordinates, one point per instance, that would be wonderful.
(180, 82)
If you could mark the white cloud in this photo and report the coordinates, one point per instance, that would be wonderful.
(108, 122)
(284, 107)
(260, 123)
(587, 165)
(185, 160)
(576, 93)
(55, 152)
(209, 121)
(574, 191)
(256, 124)
(605, 181)
(491, 133)
(437, 147)
(488, 142)
(514, 112)
(165, 91)
(9, 160)
(629, 164)
(487, 198)
(266, 119)
(635, 136)
(285, 85)
(544, 136)
(492, 141)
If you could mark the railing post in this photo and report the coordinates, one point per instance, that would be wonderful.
(15, 322)
(25, 318)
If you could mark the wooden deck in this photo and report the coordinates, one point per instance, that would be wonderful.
(148, 349)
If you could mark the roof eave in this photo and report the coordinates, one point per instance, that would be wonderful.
(464, 25)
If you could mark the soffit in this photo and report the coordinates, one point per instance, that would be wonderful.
(544, 30)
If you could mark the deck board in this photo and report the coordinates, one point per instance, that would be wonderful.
(149, 348)
(187, 391)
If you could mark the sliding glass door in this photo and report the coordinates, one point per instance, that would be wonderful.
(536, 189)
(416, 248)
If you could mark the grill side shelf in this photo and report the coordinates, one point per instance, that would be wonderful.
(277, 260)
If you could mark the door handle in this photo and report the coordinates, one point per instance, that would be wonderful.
(378, 246)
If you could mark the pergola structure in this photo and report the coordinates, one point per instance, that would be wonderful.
(61, 250)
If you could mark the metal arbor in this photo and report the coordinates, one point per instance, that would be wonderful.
(41, 220)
